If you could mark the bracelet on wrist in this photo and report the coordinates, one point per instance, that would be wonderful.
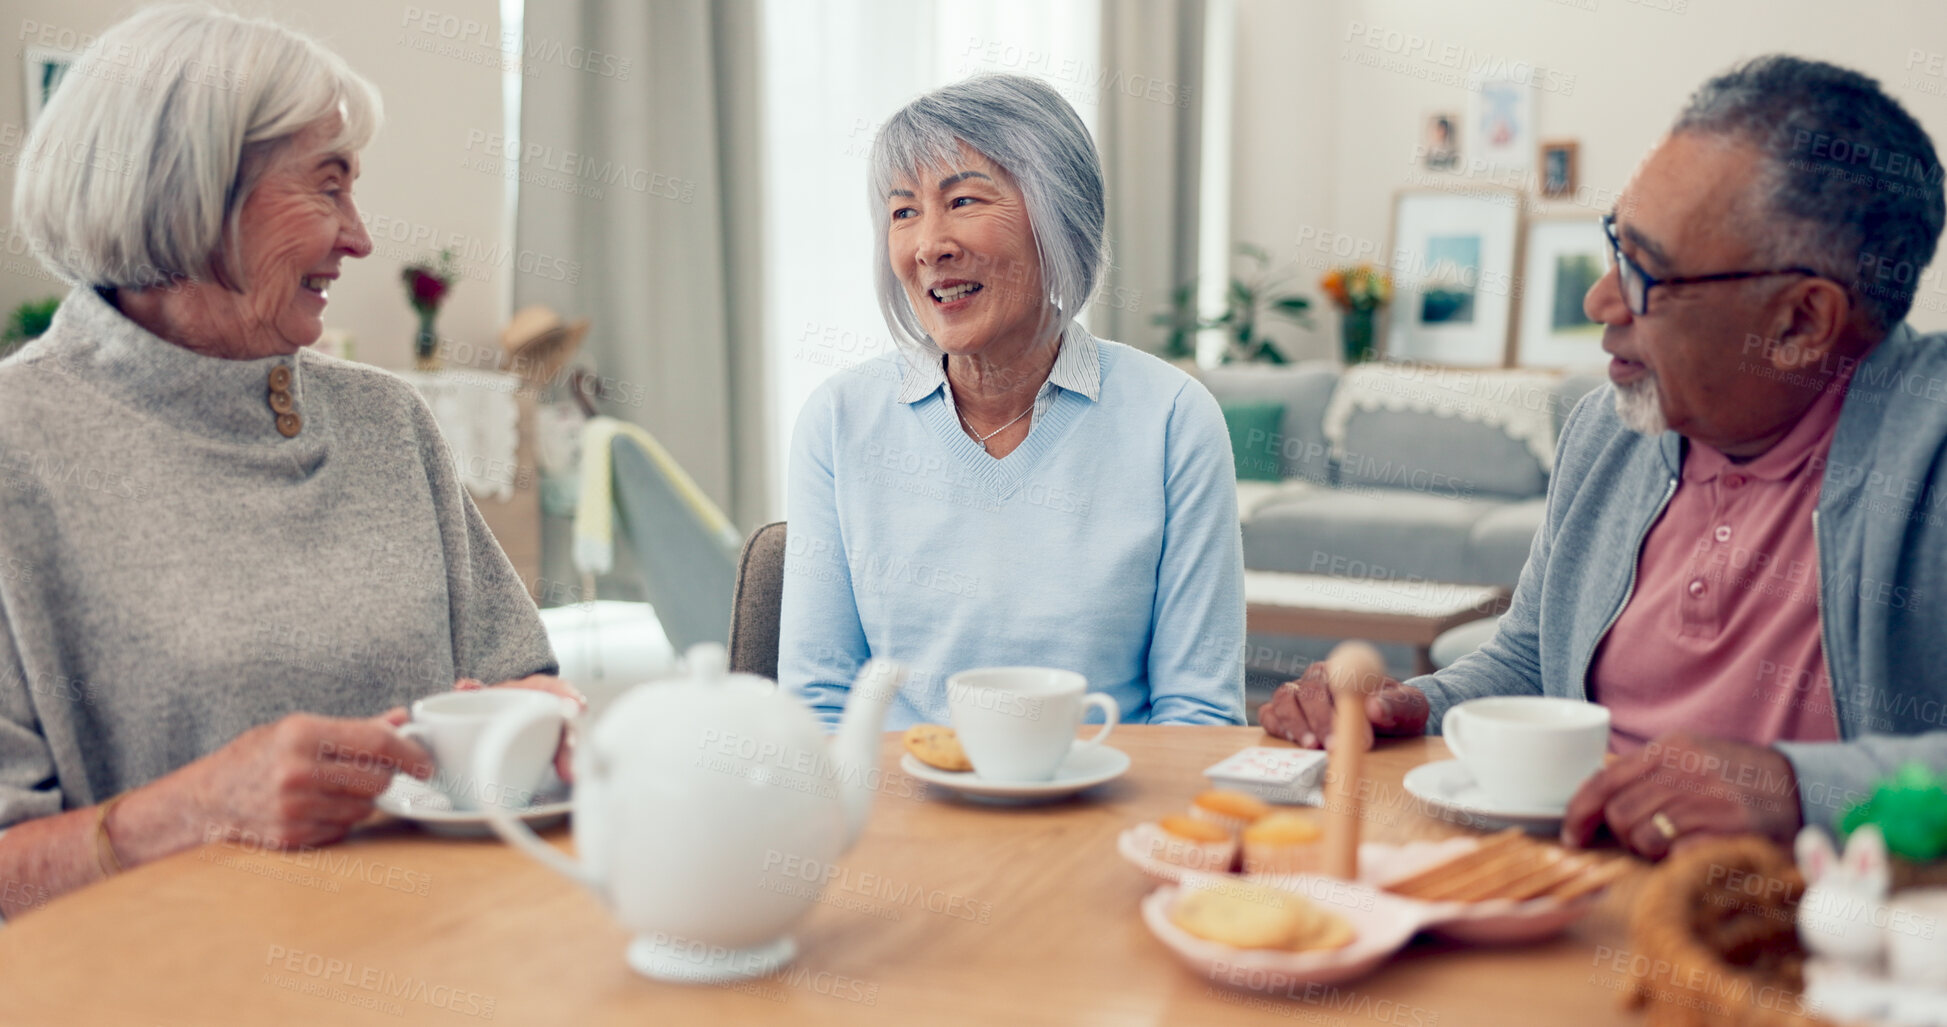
(105, 857)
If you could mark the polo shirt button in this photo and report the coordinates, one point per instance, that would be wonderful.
(289, 425)
(282, 402)
(280, 377)
(1697, 588)
(1723, 533)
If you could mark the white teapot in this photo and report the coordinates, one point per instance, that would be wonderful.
(706, 811)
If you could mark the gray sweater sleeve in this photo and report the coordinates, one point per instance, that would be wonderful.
(28, 786)
(497, 632)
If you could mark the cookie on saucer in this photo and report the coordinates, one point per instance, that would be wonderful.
(938, 747)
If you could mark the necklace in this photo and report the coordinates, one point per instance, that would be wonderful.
(982, 439)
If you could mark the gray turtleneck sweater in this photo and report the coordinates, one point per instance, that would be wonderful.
(175, 569)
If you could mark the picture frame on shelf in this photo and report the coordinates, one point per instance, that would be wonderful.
(1558, 169)
(1561, 257)
(1453, 256)
(42, 68)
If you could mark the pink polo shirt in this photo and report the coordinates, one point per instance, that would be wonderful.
(1721, 637)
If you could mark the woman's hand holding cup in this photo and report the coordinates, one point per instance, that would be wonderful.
(300, 781)
(1301, 711)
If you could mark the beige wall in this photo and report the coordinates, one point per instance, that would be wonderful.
(439, 85)
(1326, 121)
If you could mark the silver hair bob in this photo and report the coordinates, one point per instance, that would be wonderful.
(1025, 127)
(137, 171)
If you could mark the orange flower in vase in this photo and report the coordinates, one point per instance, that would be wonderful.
(427, 284)
(1358, 290)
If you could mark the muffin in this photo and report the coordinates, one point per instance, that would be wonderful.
(1283, 843)
(1194, 844)
(1232, 811)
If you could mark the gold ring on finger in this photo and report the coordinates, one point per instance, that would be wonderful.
(1664, 826)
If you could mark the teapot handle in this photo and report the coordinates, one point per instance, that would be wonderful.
(488, 758)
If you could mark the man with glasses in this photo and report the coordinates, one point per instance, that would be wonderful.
(1744, 555)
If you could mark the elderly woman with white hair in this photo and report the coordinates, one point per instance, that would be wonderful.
(226, 560)
(1007, 489)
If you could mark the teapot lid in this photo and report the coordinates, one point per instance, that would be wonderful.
(707, 662)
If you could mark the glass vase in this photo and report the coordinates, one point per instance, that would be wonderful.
(425, 343)
(1355, 333)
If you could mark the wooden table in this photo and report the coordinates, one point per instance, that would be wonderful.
(1377, 610)
(1016, 916)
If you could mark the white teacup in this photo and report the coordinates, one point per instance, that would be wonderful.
(449, 725)
(1528, 751)
(1018, 723)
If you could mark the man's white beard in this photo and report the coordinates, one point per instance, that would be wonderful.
(1640, 405)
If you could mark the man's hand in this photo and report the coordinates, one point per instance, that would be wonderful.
(1301, 711)
(1700, 786)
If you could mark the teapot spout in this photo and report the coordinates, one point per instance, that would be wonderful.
(856, 748)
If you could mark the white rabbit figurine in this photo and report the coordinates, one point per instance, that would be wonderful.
(1841, 915)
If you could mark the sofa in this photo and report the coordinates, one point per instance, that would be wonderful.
(1427, 485)
(1388, 471)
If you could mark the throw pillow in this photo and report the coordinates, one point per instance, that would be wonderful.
(1256, 429)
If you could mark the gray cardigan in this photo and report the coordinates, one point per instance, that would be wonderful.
(1881, 530)
(174, 570)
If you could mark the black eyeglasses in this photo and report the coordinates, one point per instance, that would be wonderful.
(1636, 283)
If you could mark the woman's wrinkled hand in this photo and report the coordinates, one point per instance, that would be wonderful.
(1301, 711)
(301, 781)
(564, 753)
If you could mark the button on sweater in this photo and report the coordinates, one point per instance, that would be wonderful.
(176, 569)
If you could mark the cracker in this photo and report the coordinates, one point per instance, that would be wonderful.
(1510, 865)
(1415, 885)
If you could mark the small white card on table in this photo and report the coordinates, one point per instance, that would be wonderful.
(1291, 776)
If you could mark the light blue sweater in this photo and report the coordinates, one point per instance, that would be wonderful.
(1107, 543)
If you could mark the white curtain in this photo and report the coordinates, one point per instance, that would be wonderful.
(640, 208)
(1152, 144)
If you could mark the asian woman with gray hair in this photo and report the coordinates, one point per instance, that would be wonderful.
(1006, 488)
(226, 561)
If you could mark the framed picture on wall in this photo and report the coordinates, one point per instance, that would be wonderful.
(1561, 258)
(1501, 123)
(1440, 141)
(44, 66)
(1453, 255)
(1558, 169)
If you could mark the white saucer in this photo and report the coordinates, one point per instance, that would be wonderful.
(409, 798)
(1447, 788)
(1085, 767)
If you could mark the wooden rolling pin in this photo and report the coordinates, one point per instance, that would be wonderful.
(1353, 671)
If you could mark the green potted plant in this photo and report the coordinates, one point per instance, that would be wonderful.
(1251, 298)
(28, 322)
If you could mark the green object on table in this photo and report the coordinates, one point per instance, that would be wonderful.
(1910, 809)
(1256, 430)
